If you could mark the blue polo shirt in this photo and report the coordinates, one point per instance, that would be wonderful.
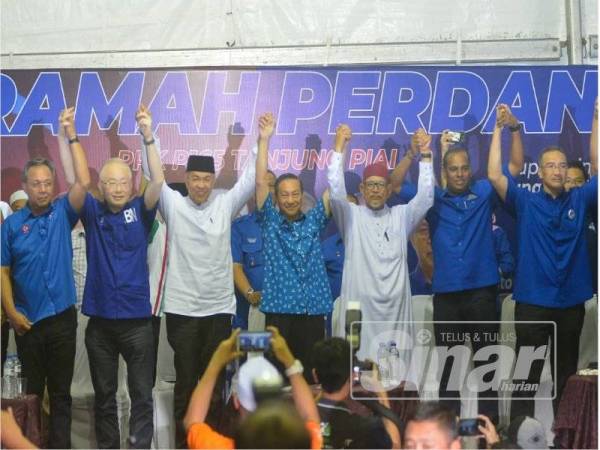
(116, 285)
(461, 237)
(295, 278)
(333, 255)
(247, 249)
(39, 253)
(553, 268)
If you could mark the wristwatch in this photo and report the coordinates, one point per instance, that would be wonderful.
(517, 127)
(295, 368)
(249, 292)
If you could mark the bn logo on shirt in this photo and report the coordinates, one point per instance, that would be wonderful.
(130, 215)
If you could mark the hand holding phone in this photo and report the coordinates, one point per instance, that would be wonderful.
(254, 341)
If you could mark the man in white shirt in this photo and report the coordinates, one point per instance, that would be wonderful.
(375, 238)
(199, 300)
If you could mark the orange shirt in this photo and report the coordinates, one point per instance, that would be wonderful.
(202, 436)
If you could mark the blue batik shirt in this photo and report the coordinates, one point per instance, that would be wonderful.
(295, 277)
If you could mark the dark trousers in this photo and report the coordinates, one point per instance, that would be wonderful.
(47, 354)
(4, 344)
(474, 305)
(105, 340)
(301, 333)
(155, 337)
(569, 322)
(194, 340)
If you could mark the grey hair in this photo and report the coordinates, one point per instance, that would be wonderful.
(37, 162)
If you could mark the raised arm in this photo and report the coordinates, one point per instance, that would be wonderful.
(517, 158)
(200, 399)
(420, 203)
(157, 177)
(594, 141)
(266, 126)
(399, 173)
(335, 170)
(82, 180)
(303, 398)
(64, 152)
(495, 175)
(445, 142)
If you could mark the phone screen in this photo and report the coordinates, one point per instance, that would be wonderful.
(468, 427)
(254, 341)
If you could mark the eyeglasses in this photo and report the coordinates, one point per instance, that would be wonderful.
(375, 184)
(552, 166)
(112, 184)
(40, 184)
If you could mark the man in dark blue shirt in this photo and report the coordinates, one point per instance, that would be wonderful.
(38, 290)
(465, 274)
(248, 262)
(117, 294)
(552, 279)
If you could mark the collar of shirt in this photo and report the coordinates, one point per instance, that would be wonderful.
(27, 213)
(467, 193)
(285, 222)
(201, 206)
(378, 212)
(559, 197)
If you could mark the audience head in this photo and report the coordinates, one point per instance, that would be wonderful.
(200, 177)
(375, 186)
(576, 175)
(275, 424)
(116, 183)
(527, 432)
(289, 193)
(331, 364)
(255, 373)
(433, 426)
(553, 169)
(38, 183)
(18, 200)
(456, 166)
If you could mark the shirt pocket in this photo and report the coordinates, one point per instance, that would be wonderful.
(130, 237)
(253, 254)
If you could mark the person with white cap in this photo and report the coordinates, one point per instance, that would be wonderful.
(18, 199)
(527, 432)
(284, 428)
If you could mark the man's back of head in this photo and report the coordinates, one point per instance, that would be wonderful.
(433, 426)
(274, 424)
(331, 363)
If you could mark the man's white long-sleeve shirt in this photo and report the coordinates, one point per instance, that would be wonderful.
(199, 279)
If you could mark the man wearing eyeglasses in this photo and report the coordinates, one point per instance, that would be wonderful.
(116, 294)
(38, 291)
(375, 238)
(552, 279)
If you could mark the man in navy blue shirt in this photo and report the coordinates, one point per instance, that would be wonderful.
(465, 274)
(248, 262)
(38, 290)
(117, 294)
(552, 279)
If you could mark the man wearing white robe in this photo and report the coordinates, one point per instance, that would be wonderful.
(375, 237)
